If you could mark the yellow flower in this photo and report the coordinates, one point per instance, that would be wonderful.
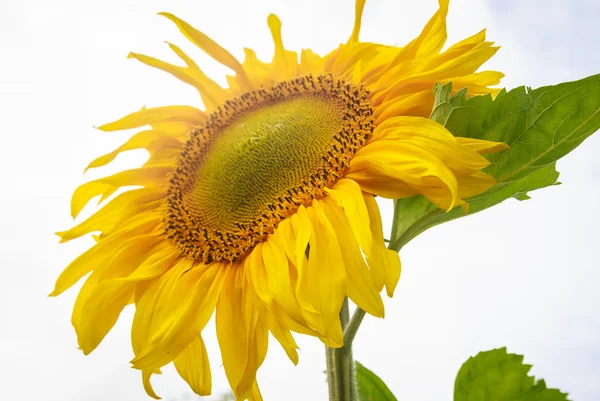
(262, 206)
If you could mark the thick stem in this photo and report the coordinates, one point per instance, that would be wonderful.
(344, 356)
(353, 325)
(331, 375)
(340, 366)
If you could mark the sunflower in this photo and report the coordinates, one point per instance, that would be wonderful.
(261, 207)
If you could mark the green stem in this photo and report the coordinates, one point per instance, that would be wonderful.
(331, 374)
(340, 366)
(353, 325)
(344, 356)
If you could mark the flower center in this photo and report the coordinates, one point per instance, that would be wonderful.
(258, 158)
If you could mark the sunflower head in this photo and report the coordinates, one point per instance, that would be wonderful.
(258, 158)
(261, 207)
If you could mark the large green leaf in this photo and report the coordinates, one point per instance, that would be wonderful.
(540, 126)
(498, 376)
(370, 386)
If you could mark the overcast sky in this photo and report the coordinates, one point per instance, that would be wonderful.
(523, 275)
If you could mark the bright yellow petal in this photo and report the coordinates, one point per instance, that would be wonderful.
(95, 257)
(358, 10)
(152, 177)
(188, 312)
(323, 283)
(348, 196)
(84, 293)
(157, 115)
(146, 375)
(360, 286)
(391, 169)
(285, 63)
(310, 63)
(278, 273)
(193, 366)
(411, 155)
(481, 146)
(151, 309)
(109, 297)
(384, 263)
(432, 38)
(121, 208)
(255, 395)
(242, 336)
(150, 140)
(211, 48)
(283, 336)
(257, 275)
(259, 73)
(212, 94)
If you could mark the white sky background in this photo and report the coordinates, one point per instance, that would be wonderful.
(524, 274)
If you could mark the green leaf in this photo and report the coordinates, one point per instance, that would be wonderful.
(540, 126)
(370, 386)
(499, 376)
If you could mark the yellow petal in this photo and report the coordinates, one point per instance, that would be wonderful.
(242, 336)
(384, 263)
(387, 168)
(303, 231)
(310, 63)
(360, 286)
(149, 140)
(95, 257)
(255, 395)
(358, 11)
(481, 146)
(259, 73)
(255, 269)
(212, 94)
(151, 309)
(278, 273)
(324, 279)
(348, 196)
(460, 48)
(285, 63)
(283, 336)
(415, 81)
(415, 104)
(84, 293)
(156, 115)
(105, 303)
(188, 312)
(432, 137)
(411, 155)
(474, 184)
(211, 48)
(350, 56)
(153, 177)
(122, 207)
(193, 366)
(107, 300)
(146, 375)
(287, 237)
(432, 37)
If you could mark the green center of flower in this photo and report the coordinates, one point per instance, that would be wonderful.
(261, 154)
(258, 158)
